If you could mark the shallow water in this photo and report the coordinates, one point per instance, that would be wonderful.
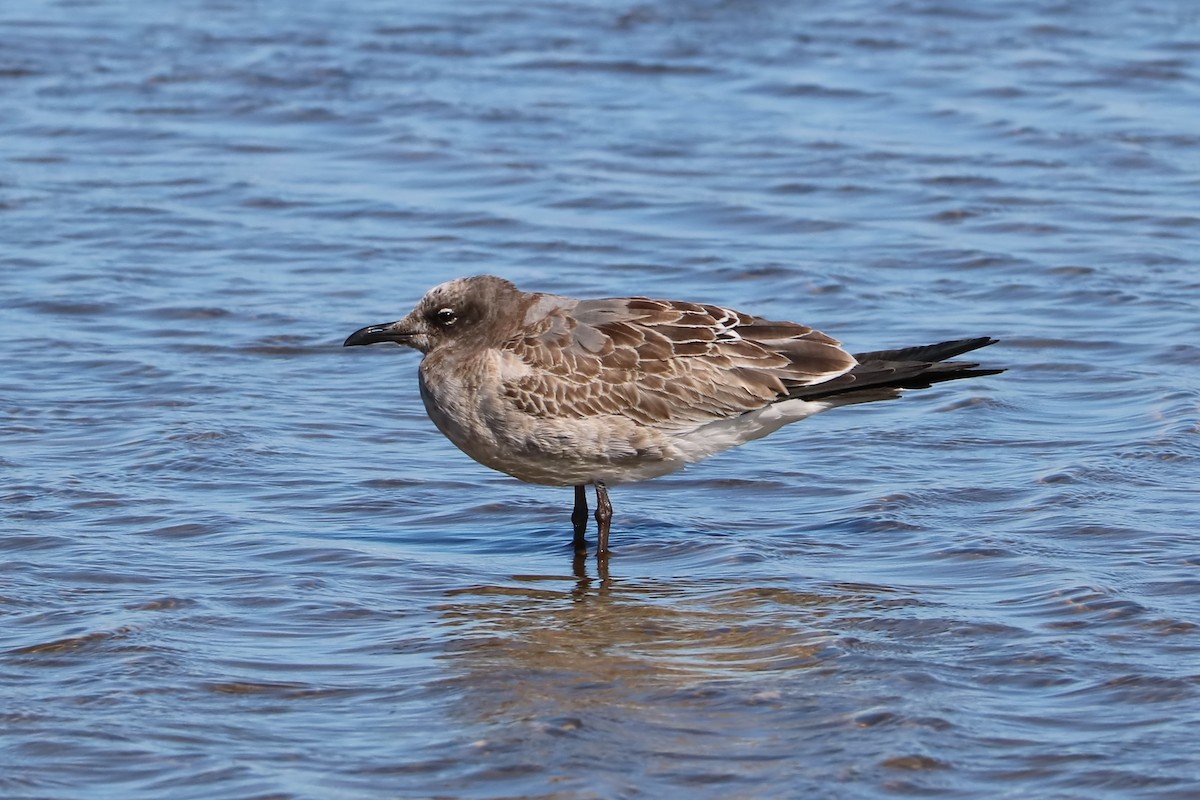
(240, 562)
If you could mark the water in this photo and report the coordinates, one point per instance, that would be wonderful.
(239, 561)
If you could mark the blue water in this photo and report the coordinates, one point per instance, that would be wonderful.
(238, 560)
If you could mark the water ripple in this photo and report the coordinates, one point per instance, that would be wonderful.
(239, 561)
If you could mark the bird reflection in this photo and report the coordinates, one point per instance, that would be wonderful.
(583, 581)
(553, 666)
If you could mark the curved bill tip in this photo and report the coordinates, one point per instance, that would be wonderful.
(371, 334)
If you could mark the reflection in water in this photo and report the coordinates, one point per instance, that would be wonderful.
(562, 673)
(579, 565)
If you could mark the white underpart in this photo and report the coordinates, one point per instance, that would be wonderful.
(718, 436)
(712, 438)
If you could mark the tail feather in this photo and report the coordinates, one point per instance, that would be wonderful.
(882, 374)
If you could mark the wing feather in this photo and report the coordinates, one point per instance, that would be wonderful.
(662, 363)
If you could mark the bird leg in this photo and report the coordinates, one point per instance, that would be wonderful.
(603, 519)
(579, 517)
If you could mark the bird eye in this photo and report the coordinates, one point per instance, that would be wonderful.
(445, 316)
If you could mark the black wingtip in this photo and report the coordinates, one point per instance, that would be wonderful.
(881, 374)
(929, 352)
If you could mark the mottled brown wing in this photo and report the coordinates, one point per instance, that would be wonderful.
(663, 362)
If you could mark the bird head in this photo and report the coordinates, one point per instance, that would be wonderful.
(474, 310)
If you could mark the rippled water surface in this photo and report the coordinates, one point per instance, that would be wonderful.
(238, 561)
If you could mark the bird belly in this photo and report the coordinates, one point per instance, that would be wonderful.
(571, 451)
(555, 451)
(715, 437)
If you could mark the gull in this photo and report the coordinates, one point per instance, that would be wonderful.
(564, 392)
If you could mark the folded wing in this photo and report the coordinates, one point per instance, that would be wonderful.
(663, 363)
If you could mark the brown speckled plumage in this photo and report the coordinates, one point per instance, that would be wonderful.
(571, 392)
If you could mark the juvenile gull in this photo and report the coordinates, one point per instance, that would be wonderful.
(567, 392)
